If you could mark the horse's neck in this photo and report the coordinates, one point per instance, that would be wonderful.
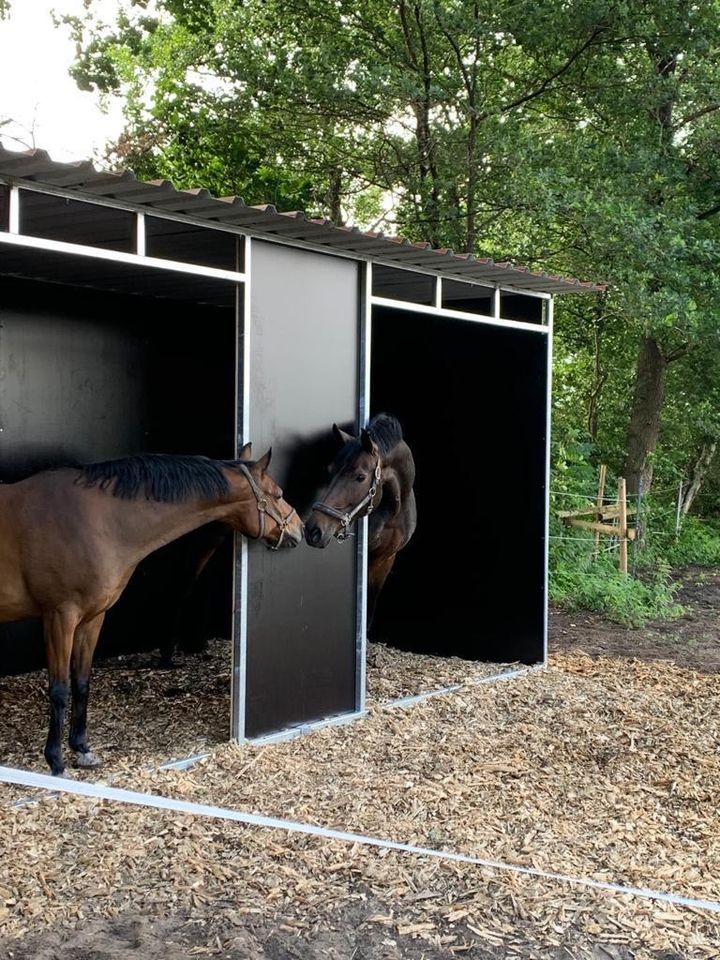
(145, 526)
(400, 461)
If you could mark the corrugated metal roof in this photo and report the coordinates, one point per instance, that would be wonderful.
(200, 205)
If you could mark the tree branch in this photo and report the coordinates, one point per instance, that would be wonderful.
(691, 117)
(558, 73)
(706, 214)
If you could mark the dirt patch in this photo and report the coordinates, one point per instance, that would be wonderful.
(691, 641)
(353, 934)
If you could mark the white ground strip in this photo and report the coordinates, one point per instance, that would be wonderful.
(58, 785)
(442, 691)
(98, 792)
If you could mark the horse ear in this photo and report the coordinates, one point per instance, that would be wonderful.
(264, 462)
(340, 435)
(246, 452)
(367, 442)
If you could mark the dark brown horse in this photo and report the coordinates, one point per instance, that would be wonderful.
(70, 540)
(373, 475)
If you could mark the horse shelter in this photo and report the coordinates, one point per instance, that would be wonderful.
(138, 317)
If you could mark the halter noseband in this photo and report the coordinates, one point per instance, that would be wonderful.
(265, 507)
(343, 531)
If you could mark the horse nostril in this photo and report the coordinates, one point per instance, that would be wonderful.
(313, 535)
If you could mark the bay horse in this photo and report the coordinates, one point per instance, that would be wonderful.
(372, 475)
(70, 540)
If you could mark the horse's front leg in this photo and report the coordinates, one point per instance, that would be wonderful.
(86, 638)
(59, 628)
(378, 570)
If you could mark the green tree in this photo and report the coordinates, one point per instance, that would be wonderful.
(578, 137)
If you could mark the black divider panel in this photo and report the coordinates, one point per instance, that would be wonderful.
(89, 376)
(301, 649)
(471, 399)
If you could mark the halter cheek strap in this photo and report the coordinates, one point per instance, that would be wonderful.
(343, 531)
(266, 507)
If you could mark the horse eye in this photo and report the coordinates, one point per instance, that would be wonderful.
(361, 478)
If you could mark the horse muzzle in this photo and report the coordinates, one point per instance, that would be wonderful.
(290, 533)
(318, 534)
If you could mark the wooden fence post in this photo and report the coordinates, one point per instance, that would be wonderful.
(622, 524)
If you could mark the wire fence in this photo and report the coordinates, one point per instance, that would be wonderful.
(595, 504)
(657, 530)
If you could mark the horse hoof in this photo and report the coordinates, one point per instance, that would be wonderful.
(88, 760)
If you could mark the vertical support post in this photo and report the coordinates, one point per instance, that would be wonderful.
(240, 558)
(362, 526)
(438, 293)
(548, 418)
(599, 504)
(496, 306)
(140, 242)
(622, 524)
(14, 211)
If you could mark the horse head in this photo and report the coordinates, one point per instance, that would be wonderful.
(356, 475)
(266, 516)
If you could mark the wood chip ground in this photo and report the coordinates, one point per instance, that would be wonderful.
(602, 768)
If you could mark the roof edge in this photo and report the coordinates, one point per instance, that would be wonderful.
(199, 204)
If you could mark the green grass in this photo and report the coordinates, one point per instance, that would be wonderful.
(629, 600)
(580, 582)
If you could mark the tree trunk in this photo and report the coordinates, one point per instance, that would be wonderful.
(333, 197)
(644, 427)
(698, 474)
(645, 415)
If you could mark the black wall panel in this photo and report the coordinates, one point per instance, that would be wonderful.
(472, 402)
(88, 375)
(303, 330)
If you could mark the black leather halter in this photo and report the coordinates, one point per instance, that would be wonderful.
(265, 507)
(343, 531)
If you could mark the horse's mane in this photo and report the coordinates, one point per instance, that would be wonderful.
(158, 476)
(384, 429)
(386, 432)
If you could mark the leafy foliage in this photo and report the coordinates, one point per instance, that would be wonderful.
(581, 137)
(581, 583)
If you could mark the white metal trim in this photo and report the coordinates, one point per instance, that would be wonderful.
(240, 553)
(365, 347)
(291, 733)
(457, 315)
(412, 699)
(249, 231)
(14, 211)
(116, 256)
(140, 237)
(548, 424)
